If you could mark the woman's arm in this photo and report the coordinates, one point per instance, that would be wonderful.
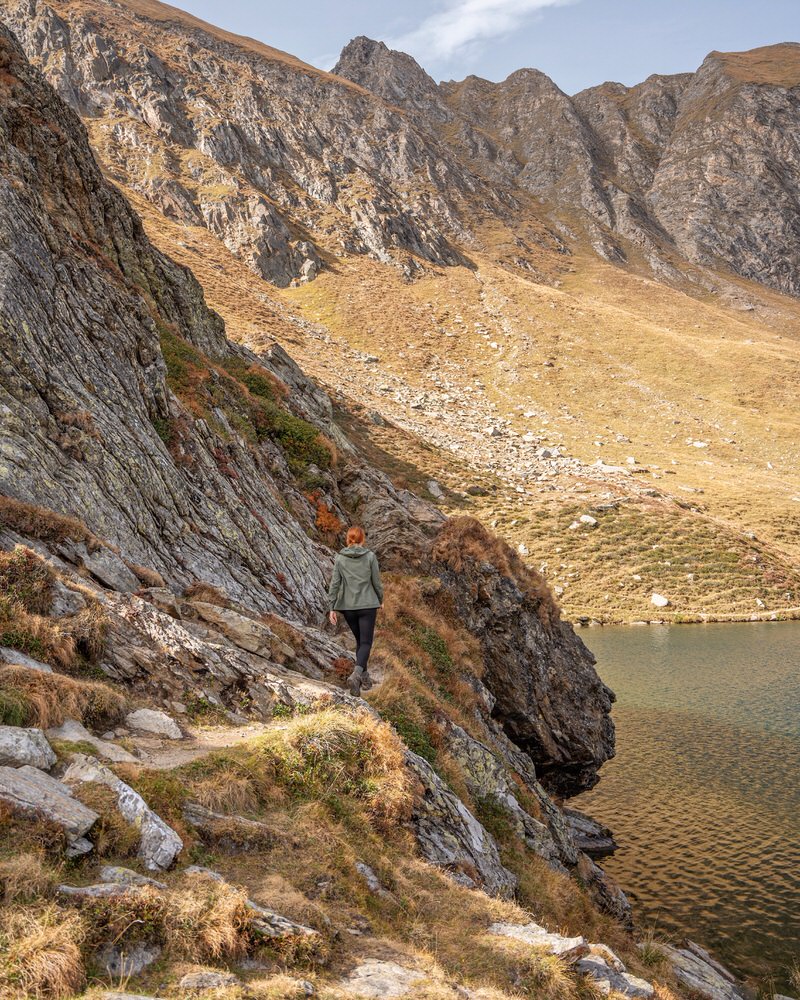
(375, 574)
(336, 583)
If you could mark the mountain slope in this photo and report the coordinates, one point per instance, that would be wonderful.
(512, 358)
(680, 163)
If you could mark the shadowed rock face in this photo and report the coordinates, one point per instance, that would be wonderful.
(549, 699)
(83, 393)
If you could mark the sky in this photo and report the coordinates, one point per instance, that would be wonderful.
(579, 43)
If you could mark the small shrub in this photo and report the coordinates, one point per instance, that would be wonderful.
(88, 630)
(651, 955)
(412, 732)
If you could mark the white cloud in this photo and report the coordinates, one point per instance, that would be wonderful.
(462, 24)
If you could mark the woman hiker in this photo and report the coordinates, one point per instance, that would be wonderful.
(357, 592)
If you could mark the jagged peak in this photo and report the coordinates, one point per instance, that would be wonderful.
(393, 75)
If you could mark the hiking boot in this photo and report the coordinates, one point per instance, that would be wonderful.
(366, 681)
(354, 682)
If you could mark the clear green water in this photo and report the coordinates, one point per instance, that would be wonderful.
(704, 793)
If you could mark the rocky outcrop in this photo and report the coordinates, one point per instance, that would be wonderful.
(159, 844)
(31, 792)
(451, 838)
(282, 156)
(534, 665)
(677, 163)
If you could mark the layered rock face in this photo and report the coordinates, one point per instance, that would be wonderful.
(705, 164)
(84, 403)
(287, 165)
(272, 156)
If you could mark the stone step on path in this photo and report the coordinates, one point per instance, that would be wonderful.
(72, 731)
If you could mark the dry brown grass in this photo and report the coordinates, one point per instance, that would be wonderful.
(32, 698)
(26, 580)
(35, 635)
(42, 953)
(149, 577)
(206, 593)
(25, 876)
(46, 525)
(464, 540)
(206, 919)
(112, 834)
(230, 794)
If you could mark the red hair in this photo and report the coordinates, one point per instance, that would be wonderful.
(355, 535)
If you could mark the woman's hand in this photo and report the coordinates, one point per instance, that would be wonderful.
(332, 617)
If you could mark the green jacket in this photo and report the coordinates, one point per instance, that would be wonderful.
(356, 580)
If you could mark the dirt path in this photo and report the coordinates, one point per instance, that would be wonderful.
(163, 755)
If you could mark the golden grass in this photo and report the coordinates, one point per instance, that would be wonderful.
(207, 919)
(229, 794)
(32, 698)
(24, 876)
(42, 954)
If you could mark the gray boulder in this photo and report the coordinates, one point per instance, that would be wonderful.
(609, 980)
(17, 659)
(122, 961)
(197, 981)
(103, 564)
(33, 792)
(64, 601)
(698, 971)
(25, 746)
(378, 979)
(148, 720)
(74, 732)
(570, 949)
(126, 876)
(159, 844)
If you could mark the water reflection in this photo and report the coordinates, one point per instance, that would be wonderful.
(704, 794)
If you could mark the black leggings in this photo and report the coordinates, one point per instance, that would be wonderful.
(362, 625)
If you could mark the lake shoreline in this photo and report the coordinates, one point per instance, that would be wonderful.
(790, 615)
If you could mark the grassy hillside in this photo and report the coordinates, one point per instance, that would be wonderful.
(594, 360)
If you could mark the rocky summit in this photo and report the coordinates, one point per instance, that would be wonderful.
(193, 799)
